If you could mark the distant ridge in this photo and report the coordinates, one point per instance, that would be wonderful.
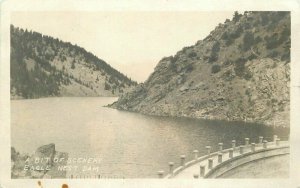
(42, 66)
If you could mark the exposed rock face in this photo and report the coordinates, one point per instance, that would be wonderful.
(241, 71)
(43, 163)
(46, 151)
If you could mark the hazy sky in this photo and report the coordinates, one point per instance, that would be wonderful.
(131, 42)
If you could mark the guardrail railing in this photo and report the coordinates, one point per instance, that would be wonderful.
(222, 155)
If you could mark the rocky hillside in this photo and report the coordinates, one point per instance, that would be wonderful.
(240, 71)
(42, 66)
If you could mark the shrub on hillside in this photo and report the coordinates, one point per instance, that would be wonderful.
(239, 66)
(216, 47)
(227, 21)
(272, 42)
(224, 36)
(189, 68)
(229, 41)
(257, 40)
(213, 57)
(214, 52)
(107, 86)
(174, 59)
(73, 65)
(273, 54)
(227, 62)
(230, 36)
(264, 18)
(215, 69)
(247, 75)
(251, 56)
(192, 54)
(247, 26)
(285, 34)
(237, 33)
(286, 57)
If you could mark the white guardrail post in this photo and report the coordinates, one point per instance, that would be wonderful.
(160, 174)
(265, 144)
(247, 141)
(208, 148)
(220, 147)
(274, 138)
(182, 160)
(171, 166)
(196, 154)
(233, 144)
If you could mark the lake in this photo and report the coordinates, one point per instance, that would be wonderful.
(130, 145)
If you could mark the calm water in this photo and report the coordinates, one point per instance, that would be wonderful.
(130, 145)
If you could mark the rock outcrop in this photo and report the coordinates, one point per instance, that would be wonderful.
(43, 163)
(241, 71)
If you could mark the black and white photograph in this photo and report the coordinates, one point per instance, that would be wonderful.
(147, 94)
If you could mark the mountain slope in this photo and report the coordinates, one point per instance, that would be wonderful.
(241, 71)
(42, 66)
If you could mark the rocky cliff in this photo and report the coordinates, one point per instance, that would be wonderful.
(240, 71)
(43, 66)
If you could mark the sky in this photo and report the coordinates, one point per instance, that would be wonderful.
(131, 42)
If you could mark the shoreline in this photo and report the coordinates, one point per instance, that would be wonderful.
(51, 97)
(210, 118)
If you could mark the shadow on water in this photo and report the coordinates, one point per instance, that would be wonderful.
(222, 130)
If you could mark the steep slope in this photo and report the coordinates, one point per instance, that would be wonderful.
(42, 66)
(241, 71)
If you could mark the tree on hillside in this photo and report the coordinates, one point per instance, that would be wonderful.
(73, 64)
(248, 41)
(236, 16)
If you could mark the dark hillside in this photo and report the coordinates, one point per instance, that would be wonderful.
(43, 66)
